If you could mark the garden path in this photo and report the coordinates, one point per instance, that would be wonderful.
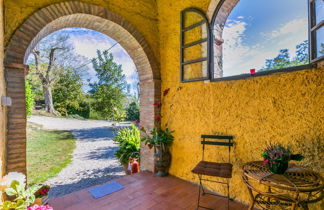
(93, 160)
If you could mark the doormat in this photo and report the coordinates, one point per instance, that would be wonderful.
(106, 189)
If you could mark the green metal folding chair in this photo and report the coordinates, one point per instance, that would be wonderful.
(214, 169)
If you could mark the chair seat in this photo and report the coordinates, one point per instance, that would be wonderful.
(213, 169)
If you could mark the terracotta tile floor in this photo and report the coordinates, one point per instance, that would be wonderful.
(144, 191)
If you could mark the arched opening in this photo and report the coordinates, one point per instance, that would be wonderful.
(74, 14)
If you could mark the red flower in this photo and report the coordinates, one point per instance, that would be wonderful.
(157, 104)
(137, 121)
(157, 117)
(166, 91)
(149, 145)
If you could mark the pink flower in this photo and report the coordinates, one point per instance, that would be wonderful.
(42, 207)
(137, 121)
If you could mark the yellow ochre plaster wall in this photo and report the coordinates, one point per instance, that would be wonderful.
(284, 108)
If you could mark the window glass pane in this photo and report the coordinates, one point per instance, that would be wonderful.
(195, 52)
(264, 35)
(191, 18)
(320, 42)
(195, 34)
(319, 11)
(195, 70)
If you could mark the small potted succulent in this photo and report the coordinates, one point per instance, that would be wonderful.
(41, 194)
(277, 158)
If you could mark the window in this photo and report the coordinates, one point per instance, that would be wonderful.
(316, 10)
(262, 35)
(248, 36)
(194, 46)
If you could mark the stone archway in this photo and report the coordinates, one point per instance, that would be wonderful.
(74, 14)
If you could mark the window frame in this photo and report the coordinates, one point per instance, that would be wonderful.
(312, 28)
(183, 46)
(210, 47)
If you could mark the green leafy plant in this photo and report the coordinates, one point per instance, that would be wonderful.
(158, 137)
(128, 140)
(277, 158)
(279, 153)
(23, 196)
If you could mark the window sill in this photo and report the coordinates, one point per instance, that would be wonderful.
(265, 73)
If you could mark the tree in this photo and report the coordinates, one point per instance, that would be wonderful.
(51, 56)
(302, 55)
(68, 95)
(133, 110)
(108, 93)
(283, 59)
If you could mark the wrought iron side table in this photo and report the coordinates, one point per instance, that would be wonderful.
(296, 187)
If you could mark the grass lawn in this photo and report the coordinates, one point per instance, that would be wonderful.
(48, 152)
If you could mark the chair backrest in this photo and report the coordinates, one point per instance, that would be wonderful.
(218, 141)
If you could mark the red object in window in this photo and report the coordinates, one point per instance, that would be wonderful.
(252, 71)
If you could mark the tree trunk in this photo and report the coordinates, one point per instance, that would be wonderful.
(49, 106)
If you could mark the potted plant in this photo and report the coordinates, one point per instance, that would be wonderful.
(21, 196)
(41, 194)
(128, 140)
(160, 140)
(277, 158)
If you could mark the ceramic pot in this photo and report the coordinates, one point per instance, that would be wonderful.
(162, 160)
(278, 167)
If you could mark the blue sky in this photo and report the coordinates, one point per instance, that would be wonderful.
(257, 29)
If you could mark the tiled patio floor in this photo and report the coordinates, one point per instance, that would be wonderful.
(143, 191)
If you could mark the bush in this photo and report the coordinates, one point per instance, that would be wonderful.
(133, 112)
(128, 140)
(29, 98)
(82, 110)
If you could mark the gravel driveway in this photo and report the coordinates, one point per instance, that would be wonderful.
(93, 158)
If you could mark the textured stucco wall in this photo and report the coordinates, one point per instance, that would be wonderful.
(2, 93)
(285, 108)
(282, 108)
